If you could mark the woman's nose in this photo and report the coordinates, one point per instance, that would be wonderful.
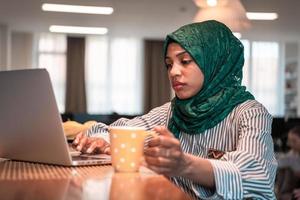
(175, 70)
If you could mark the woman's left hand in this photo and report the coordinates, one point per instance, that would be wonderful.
(164, 155)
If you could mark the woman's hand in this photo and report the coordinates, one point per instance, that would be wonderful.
(91, 144)
(164, 155)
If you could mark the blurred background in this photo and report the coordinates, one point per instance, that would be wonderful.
(121, 71)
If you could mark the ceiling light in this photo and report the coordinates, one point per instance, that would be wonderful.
(77, 9)
(78, 30)
(261, 16)
(230, 12)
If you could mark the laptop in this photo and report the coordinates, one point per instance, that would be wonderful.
(30, 123)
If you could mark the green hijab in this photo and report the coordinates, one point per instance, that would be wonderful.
(220, 56)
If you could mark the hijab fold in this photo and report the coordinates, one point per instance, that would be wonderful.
(220, 56)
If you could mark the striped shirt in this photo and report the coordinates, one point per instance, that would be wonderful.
(248, 167)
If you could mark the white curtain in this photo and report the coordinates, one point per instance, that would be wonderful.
(97, 74)
(262, 74)
(265, 62)
(113, 75)
(52, 56)
(126, 76)
(113, 72)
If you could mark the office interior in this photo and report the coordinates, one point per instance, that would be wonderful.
(118, 79)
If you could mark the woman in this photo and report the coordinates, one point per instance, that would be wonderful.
(215, 139)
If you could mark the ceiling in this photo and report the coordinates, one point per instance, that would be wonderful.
(145, 18)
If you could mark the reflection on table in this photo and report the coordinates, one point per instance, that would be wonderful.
(22, 180)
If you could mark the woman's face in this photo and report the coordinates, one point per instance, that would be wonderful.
(184, 74)
(294, 141)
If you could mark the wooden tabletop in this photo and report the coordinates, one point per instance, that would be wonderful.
(23, 180)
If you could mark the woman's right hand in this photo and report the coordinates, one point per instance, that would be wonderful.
(90, 145)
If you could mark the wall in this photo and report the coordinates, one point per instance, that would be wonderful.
(16, 49)
(4, 47)
(22, 50)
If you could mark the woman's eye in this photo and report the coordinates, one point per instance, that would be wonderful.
(169, 65)
(186, 62)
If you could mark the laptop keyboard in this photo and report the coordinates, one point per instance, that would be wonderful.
(73, 151)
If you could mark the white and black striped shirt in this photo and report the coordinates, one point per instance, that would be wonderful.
(248, 167)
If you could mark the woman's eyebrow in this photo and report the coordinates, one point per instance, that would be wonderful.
(177, 55)
(180, 53)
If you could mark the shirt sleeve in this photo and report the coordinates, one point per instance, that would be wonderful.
(248, 172)
(156, 117)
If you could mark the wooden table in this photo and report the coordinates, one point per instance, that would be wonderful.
(23, 180)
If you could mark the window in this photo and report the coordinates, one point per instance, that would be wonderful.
(52, 56)
(113, 75)
(96, 75)
(246, 74)
(126, 76)
(262, 75)
(113, 72)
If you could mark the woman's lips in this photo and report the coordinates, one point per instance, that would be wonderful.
(177, 85)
